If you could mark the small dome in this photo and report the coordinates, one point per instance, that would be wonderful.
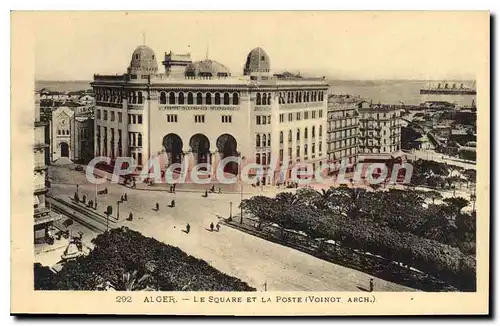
(143, 61)
(257, 62)
(207, 68)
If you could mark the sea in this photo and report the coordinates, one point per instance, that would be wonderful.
(378, 91)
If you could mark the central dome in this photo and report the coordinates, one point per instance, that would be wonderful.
(207, 68)
(143, 61)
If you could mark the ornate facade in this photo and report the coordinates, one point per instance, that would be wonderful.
(198, 110)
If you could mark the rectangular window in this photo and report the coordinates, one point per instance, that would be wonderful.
(313, 114)
(290, 153)
(105, 113)
(306, 115)
(282, 117)
(298, 116)
(281, 155)
(257, 118)
(313, 148)
(268, 119)
(290, 117)
(98, 114)
(119, 117)
(257, 158)
(298, 152)
(139, 119)
(320, 113)
(171, 117)
(112, 115)
(199, 118)
(320, 149)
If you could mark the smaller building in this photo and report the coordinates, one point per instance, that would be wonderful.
(342, 131)
(71, 134)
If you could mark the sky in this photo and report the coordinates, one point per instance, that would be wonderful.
(339, 45)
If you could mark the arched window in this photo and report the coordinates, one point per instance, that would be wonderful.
(264, 99)
(257, 101)
(264, 158)
(289, 135)
(314, 131)
(257, 141)
(264, 140)
(268, 98)
(139, 97)
(236, 99)
(281, 137)
(268, 139)
(305, 133)
(217, 99)
(296, 97)
(163, 98)
(134, 98)
(139, 139)
(257, 158)
(171, 98)
(181, 98)
(300, 97)
(226, 98)
(199, 98)
(208, 98)
(287, 97)
(298, 134)
(190, 99)
(320, 131)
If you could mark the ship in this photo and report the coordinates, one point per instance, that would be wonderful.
(449, 89)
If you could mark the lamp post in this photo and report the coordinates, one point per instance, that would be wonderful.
(230, 211)
(118, 210)
(77, 185)
(241, 190)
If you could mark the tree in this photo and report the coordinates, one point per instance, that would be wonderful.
(126, 260)
(470, 175)
(456, 204)
(433, 195)
(130, 281)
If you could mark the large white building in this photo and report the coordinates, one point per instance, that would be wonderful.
(201, 112)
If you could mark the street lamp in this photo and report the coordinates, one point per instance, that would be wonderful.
(241, 190)
(118, 210)
(77, 185)
(230, 211)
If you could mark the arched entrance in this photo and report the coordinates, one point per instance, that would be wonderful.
(200, 146)
(64, 149)
(227, 146)
(173, 146)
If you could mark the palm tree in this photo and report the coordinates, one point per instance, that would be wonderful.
(129, 281)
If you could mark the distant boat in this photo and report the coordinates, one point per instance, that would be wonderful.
(449, 89)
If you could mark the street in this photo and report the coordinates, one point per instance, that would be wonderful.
(253, 260)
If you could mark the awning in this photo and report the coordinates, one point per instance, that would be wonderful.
(51, 217)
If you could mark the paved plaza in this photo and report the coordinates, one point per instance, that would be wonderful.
(253, 260)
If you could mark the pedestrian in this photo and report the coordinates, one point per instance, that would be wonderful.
(211, 226)
(371, 284)
(172, 203)
(121, 198)
(188, 228)
(106, 190)
(220, 191)
(218, 227)
(212, 189)
(157, 207)
(206, 194)
(95, 204)
(130, 216)
(125, 197)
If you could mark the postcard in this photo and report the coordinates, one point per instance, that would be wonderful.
(305, 163)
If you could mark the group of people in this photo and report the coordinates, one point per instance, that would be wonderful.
(212, 227)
